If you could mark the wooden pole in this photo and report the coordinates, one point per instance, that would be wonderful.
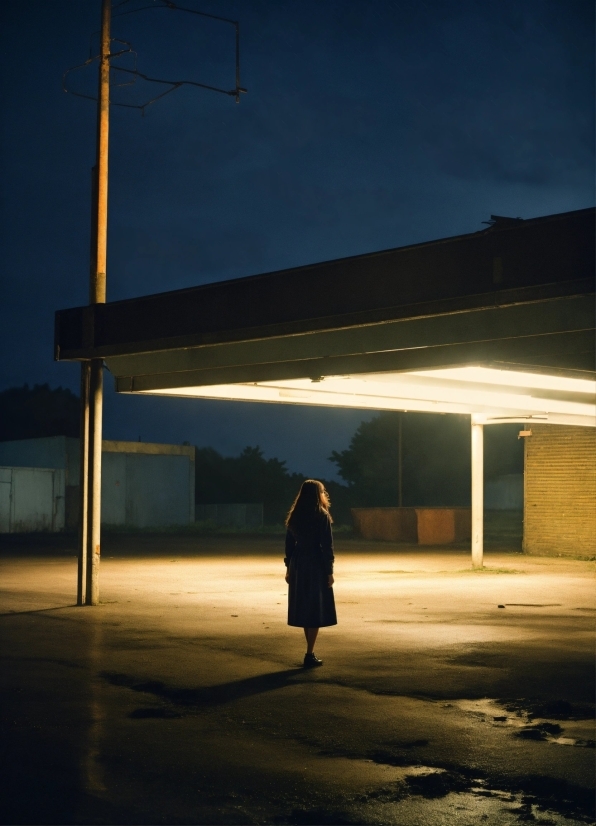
(97, 293)
(92, 400)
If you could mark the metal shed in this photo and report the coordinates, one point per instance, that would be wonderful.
(143, 484)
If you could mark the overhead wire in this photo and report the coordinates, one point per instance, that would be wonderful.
(135, 73)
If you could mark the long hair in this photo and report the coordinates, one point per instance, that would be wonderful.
(311, 501)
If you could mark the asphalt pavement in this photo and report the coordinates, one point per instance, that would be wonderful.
(447, 696)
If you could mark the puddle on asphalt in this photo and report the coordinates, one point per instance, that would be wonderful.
(534, 798)
(492, 806)
(523, 721)
(526, 799)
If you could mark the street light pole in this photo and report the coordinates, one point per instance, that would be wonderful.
(92, 371)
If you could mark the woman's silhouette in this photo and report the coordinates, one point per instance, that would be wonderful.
(309, 562)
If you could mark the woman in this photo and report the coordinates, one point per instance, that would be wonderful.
(309, 562)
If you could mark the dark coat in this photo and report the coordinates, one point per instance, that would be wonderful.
(309, 559)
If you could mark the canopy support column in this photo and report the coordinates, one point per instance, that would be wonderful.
(93, 532)
(477, 494)
(83, 485)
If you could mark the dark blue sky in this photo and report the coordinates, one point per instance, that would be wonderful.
(368, 125)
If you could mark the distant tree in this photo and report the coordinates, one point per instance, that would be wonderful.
(211, 483)
(369, 465)
(250, 477)
(435, 459)
(31, 412)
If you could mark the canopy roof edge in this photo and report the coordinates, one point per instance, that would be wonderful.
(530, 262)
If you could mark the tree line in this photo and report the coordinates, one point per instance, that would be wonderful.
(250, 477)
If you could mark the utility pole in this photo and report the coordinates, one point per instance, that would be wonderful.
(92, 371)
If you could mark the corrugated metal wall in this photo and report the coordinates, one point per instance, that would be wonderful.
(142, 490)
(49, 452)
(560, 491)
(31, 499)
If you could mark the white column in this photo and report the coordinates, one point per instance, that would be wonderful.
(477, 494)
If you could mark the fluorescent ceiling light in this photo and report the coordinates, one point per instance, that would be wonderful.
(427, 393)
(423, 391)
(511, 378)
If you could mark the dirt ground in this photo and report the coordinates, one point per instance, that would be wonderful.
(447, 696)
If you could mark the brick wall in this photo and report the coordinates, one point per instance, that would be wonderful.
(560, 491)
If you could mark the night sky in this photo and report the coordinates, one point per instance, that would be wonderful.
(367, 125)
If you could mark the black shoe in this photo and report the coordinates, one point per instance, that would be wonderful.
(312, 661)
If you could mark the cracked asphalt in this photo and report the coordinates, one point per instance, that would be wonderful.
(180, 699)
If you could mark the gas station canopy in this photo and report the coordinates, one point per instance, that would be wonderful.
(499, 324)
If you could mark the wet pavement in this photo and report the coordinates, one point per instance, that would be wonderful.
(446, 696)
